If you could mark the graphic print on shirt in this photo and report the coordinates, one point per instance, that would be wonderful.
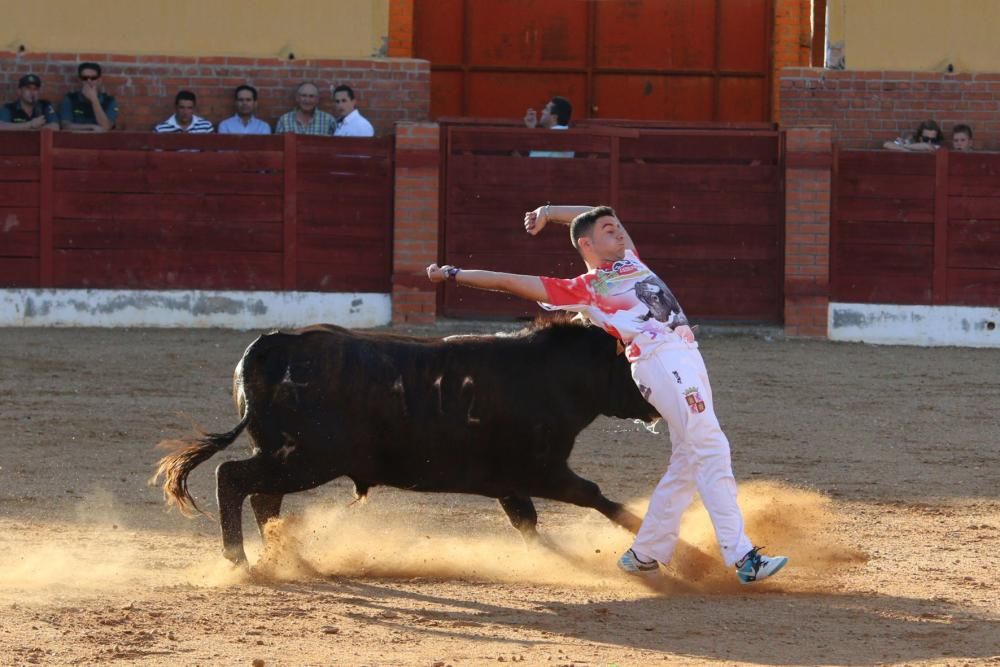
(658, 298)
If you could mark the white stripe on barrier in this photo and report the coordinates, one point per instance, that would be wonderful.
(928, 326)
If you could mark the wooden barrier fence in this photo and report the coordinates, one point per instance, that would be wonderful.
(916, 228)
(145, 211)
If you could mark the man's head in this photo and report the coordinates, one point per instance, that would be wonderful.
(246, 100)
(961, 138)
(89, 74)
(307, 97)
(928, 132)
(28, 89)
(598, 235)
(343, 101)
(557, 111)
(185, 103)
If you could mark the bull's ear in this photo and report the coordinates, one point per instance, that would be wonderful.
(619, 348)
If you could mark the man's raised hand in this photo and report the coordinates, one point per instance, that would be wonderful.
(534, 221)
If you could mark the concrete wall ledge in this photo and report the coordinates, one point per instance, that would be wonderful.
(926, 326)
(189, 308)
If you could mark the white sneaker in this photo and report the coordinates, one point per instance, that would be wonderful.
(754, 566)
(630, 564)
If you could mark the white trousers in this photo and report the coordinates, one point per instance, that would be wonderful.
(674, 379)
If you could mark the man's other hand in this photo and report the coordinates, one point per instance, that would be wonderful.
(685, 332)
(535, 221)
(436, 273)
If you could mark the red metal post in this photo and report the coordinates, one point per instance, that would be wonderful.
(290, 216)
(939, 292)
(46, 193)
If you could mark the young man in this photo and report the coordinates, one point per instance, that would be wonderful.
(28, 112)
(624, 297)
(90, 109)
(305, 118)
(245, 120)
(184, 119)
(350, 122)
(555, 116)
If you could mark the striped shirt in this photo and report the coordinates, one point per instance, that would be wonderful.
(198, 126)
(322, 124)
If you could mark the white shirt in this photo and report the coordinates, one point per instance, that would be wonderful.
(353, 125)
(198, 126)
(235, 125)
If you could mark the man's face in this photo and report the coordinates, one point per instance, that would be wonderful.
(548, 118)
(307, 98)
(342, 103)
(89, 78)
(607, 239)
(960, 141)
(28, 94)
(184, 111)
(246, 106)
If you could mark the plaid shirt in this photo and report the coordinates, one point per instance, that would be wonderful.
(322, 124)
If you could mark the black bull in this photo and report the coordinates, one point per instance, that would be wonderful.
(495, 416)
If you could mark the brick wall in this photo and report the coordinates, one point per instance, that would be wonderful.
(808, 161)
(401, 28)
(415, 233)
(388, 89)
(792, 43)
(867, 108)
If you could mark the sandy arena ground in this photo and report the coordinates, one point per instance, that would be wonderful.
(876, 469)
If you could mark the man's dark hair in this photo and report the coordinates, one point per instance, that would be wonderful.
(344, 88)
(962, 128)
(253, 91)
(83, 66)
(562, 109)
(583, 224)
(185, 95)
(928, 125)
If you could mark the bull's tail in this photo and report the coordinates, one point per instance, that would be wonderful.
(189, 454)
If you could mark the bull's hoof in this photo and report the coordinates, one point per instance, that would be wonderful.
(237, 557)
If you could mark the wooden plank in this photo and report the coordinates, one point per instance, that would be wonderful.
(513, 199)
(19, 193)
(330, 236)
(974, 245)
(20, 144)
(941, 205)
(887, 259)
(973, 186)
(19, 271)
(228, 161)
(21, 218)
(46, 208)
(886, 162)
(713, 147)
(167, 207)
(374, 147)
(704, 178)
(322, 212)
(898, 288)
(973, 208)
(19, 168)
(974, 164)
(193, 235)
(507, 141)
(169, 182)
(865, 209)
(326, 277)
(329, 172)
(169, 269)
(700, 208)
(974, 287)
(893, 233)
(150, 141)
(289, 214)
(18, 243)
(887, 186)
(505, 170)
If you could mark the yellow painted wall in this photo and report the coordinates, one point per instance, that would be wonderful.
(923, 35)
(308, 28)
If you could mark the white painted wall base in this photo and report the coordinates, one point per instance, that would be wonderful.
(963, 326)
(189, 308)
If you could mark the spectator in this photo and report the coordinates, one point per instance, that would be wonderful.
(961, 138)
(350, 122)
(555, 116)
(28, 112)
(245, 121)
(184, 119)
(90, 109)
(927, 138)
(305, 118)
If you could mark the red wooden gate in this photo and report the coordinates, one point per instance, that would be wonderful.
(684, 60)
(706, 210)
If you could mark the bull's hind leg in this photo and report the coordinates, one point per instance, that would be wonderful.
(521, 512)
(266, 506)
(569, 487)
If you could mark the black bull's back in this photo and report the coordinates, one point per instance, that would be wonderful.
(495, 416)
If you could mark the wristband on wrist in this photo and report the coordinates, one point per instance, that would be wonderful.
(548, 205)
(451, 272)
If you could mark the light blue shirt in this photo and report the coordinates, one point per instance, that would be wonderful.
(235, 125)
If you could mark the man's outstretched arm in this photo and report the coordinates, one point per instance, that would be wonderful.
(526, 287)
(535, 221)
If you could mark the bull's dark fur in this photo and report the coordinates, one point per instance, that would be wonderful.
(495, 416)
